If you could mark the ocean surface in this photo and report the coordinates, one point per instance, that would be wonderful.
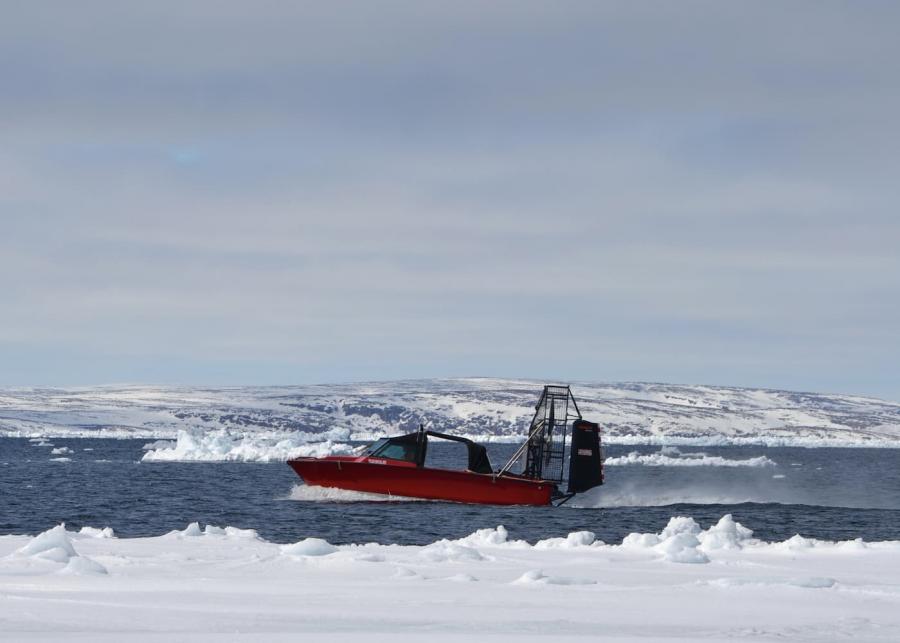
(827, 493)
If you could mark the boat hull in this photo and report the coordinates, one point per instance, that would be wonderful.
(400, 479)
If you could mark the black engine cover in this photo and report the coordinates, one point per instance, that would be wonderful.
(586, 459)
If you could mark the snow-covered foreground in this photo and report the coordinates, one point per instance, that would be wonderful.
(228, 584)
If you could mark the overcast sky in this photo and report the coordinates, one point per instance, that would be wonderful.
(268, 192)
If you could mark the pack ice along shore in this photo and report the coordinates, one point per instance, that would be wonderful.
(685, 583)
(288, 421)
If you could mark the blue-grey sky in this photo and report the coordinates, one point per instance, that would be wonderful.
(283, 192)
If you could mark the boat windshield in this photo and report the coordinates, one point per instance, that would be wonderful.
(372, 448)
(395, 451)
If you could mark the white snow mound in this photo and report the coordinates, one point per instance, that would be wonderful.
(309, 547)
(224, 445)
(55, 545)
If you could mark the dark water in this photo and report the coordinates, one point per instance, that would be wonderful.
(833, 494)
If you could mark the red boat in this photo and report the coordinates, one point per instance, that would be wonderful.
(396, 466)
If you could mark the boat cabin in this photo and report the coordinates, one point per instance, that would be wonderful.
(413, 447)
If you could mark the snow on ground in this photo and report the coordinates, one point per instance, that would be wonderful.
(490, 409)
(224, 584)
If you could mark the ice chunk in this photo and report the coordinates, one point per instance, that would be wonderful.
(537, 577)
(93, 532)
(797, 542)
(531, 577)
(83, 566)
(234, 532)
(678, 542)
(53, 544)
(675, 458)
(725, 534)
(449, 551)
(191, 531)
(490, 538)
(682, 548)
(309, 547)
(574, 539)
(227, 445)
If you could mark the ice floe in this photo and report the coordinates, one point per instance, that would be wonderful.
(672, 457)
(223, 446)
(688, 581)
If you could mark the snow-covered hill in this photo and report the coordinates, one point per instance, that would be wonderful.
(493, 409)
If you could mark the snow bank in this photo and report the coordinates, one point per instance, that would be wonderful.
(672, 457)
(715, 583)
(223, 445)
(683, 540)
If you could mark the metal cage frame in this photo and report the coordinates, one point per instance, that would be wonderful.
(545, 448)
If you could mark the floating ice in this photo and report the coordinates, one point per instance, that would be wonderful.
(674, 458)
(224, 445)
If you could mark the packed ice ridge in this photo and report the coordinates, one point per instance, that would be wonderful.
(195, 583)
